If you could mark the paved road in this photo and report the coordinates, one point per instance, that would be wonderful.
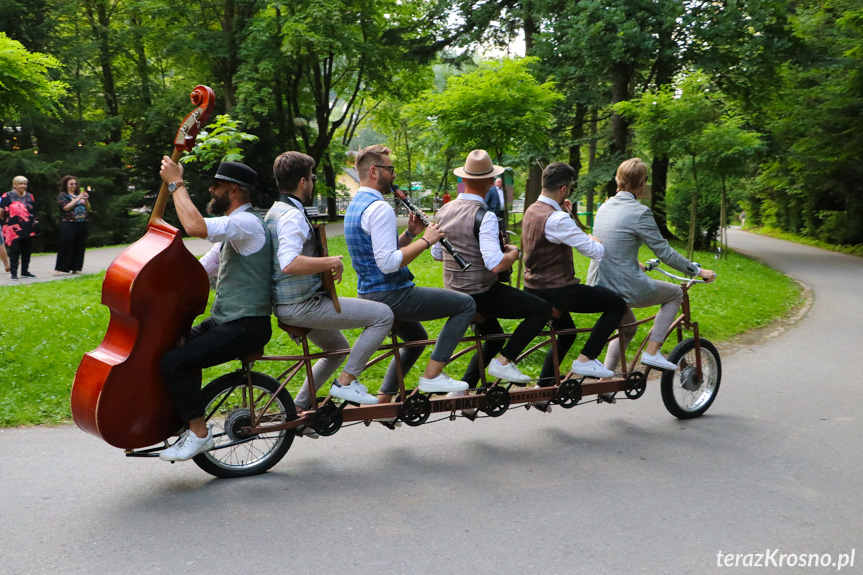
(617, 489)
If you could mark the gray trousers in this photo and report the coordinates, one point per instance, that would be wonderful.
(667, 295)
(319, 314)
(415, 304)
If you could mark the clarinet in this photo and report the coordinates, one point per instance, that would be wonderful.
(424, 219)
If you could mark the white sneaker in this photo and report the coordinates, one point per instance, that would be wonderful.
(657, 361)
(591, 368)
(508, 372)
(356, 392)
(441, 384)
(188, 446)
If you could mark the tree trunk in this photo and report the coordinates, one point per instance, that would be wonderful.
(693, 213)
(659, 185)
(620, 74)
(534, 184)
(330, 178)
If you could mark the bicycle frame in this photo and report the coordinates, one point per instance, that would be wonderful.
(628, 379)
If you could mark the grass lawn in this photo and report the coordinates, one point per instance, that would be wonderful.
(47, 327)
(856, 250)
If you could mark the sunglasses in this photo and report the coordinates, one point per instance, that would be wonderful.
(392, 169)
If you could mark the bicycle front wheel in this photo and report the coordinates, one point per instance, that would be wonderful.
(683, 394)
(229, 405)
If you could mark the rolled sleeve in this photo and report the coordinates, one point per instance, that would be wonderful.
(243, 229)
(379, 221)
(489, 241)
(561, 229)
(293, 231)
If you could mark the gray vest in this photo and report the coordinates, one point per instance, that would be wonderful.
(456, 219)
(244, 285)
(287, 288)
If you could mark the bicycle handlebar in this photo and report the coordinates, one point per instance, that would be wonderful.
(653, 264)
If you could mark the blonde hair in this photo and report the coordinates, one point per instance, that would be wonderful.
(19, 180)
(631, 174)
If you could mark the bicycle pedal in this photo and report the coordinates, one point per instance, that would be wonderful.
(606, 398)
(543, 406)
(470, 414)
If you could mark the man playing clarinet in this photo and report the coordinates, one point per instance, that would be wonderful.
(472, 229)
(298, 293)
(380, 257)
(548, 236)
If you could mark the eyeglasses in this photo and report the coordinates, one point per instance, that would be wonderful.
(392, 169)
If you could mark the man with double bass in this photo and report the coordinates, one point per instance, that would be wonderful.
(239, 322)
(299, 297)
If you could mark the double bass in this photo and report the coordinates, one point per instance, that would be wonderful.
(154, 290)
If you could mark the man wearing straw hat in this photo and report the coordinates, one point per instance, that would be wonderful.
(473, 230)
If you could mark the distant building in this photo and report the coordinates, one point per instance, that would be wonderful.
(350, 179)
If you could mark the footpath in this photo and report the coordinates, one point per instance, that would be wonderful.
(98, 259)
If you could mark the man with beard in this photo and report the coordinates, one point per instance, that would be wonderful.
(239, 322)
(380, 257)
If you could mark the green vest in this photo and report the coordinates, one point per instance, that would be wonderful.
(244, 287)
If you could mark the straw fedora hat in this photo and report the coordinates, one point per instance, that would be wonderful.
(478, 166)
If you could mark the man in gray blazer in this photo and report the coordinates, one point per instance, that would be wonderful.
(622, 225)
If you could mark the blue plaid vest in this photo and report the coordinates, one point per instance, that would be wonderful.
(369, 275)
(289, 288)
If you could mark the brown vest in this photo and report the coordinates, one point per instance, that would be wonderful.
(456, 219)
(546, 265)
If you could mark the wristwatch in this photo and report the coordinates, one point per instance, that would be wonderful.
(172, 187)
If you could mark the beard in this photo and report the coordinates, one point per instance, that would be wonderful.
(219, 205)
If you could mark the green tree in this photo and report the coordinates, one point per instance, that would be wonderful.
(499, 107)
(25, 80)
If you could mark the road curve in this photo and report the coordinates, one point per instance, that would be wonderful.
(600, 489)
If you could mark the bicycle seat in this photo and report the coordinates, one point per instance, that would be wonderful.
(555, 313)
(294, 331)
(252, 357)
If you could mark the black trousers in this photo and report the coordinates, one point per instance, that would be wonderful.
(209, 344)
(504, 301)
(580, 298)
(20, 249)
(73, 242)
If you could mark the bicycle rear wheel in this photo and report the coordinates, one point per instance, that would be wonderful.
(228, 410)
(683, 395)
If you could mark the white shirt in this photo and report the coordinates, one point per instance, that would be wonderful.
(561, 229)
(242, 228)
(489, 234)
(294, 232)
(379, 221)
(500, 197)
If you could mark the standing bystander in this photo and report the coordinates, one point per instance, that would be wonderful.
(74, 205)
(17, 211)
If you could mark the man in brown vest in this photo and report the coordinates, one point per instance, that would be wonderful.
(548, 237)
(476, 238)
